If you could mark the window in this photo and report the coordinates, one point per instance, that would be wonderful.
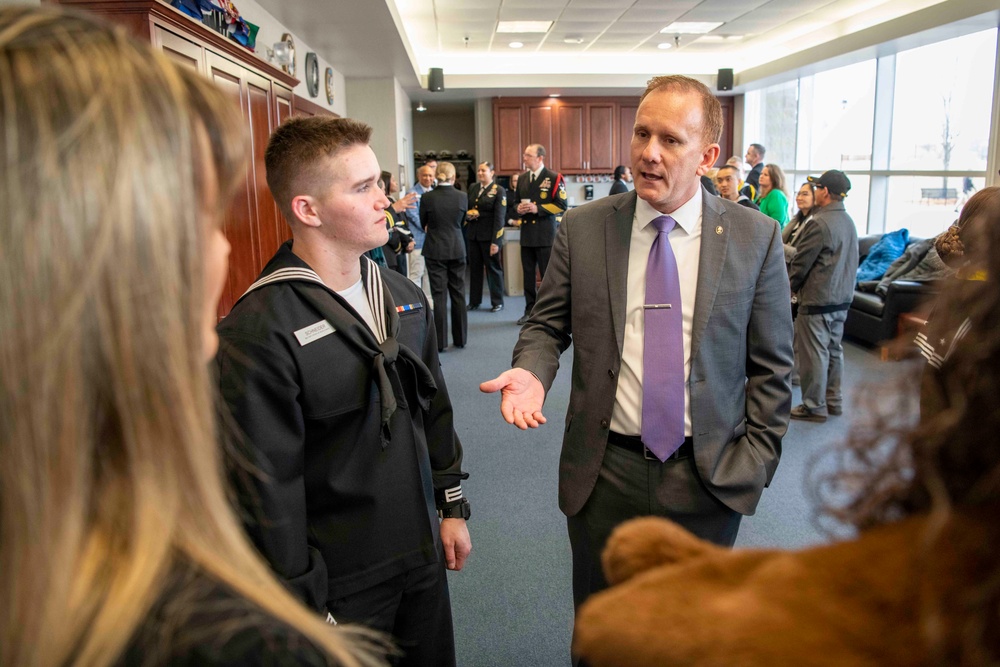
(926, 205)
(773, 113)
(941, 105)
(840, 106)
(931, 151)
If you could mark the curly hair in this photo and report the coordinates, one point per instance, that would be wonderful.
(946, 463)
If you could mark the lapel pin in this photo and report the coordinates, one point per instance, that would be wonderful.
(718, 230)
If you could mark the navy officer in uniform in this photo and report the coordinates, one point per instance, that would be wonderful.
(541, 195)
(329, 365)
(487, 210)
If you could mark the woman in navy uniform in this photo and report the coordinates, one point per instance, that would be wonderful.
(487, 210)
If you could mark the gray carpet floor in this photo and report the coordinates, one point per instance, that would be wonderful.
(512, 602)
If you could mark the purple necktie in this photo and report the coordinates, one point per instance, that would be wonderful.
(663, 349)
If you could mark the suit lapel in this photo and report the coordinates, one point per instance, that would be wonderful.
(711, 260)
(617, 239)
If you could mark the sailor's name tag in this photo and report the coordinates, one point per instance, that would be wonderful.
(314, 332)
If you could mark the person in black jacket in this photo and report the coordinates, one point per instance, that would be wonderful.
(329, 365)
(488, 206)
(400, 242)
(623, 176)
(442, 215)
(755, 159)
(542, 196)
(120, 545)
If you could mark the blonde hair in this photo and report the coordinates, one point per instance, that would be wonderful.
(111, 479)
(445, 171)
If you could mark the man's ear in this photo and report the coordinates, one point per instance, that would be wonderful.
(304, 209)
(708, 158)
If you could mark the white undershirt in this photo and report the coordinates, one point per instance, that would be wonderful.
(355, 296)
(685, 240)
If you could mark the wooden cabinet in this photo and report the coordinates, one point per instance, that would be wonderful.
(626, 121)
(253, 224)
(580, 135)
(509, 138)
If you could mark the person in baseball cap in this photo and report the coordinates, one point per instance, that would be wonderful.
(835, 182)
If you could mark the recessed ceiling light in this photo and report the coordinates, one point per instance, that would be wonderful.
(690, 27)
(664, 45)
(553, 94)
(524, 26)
(515, 45)
(421, 107)
(573, 40)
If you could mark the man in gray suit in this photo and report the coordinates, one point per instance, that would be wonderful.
(734, 320)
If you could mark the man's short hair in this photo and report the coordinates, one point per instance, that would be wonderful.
(297, 153)
(445, 171)
(424, 168)
(726, 167)
(539, 149)
(711, 109)
(759, 150)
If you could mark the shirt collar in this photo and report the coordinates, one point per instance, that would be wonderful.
(534, 174)
(686, 216)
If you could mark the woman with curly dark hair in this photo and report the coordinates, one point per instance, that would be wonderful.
(920, 582)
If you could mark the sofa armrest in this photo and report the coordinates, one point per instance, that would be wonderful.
(913, 287)
(906, 296)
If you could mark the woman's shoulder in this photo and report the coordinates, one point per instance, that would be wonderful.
(201, 622)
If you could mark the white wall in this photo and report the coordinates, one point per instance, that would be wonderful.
(484, 130)
(382, 103)
(404, 136)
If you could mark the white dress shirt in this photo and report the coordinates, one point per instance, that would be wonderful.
(685, 240)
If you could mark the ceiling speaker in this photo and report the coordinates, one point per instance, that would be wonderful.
(725, 79)
(435, 80)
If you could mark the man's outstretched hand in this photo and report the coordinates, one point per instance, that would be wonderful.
(522, 396)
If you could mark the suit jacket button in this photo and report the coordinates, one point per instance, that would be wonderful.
(604, 423)
(611, 373)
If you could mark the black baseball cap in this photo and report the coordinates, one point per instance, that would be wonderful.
(835, 181)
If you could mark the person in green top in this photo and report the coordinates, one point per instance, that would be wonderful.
(773, 201)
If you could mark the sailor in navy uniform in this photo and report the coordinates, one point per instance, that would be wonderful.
(487, 210)
(541, 197)
(329, 366)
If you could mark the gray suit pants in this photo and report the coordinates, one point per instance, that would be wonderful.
(819, 351)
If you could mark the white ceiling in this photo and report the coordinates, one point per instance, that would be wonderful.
(620, 38)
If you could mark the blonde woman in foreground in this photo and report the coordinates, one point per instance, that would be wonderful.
(117, 541)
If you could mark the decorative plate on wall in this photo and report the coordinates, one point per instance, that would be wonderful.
(329, 85)
(312, 74)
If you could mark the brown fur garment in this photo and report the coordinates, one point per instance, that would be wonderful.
(677, 600)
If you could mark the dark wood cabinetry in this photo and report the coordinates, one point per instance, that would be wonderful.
(254, 226)
(581, 135)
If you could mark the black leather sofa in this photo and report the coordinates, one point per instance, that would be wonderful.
(874, 319)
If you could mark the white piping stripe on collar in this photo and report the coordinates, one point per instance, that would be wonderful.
(373, 290)
(286, 274)
(376, 299)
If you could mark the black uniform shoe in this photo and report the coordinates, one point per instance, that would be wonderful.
(472, 307)
(805, 414)
(497, 308)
